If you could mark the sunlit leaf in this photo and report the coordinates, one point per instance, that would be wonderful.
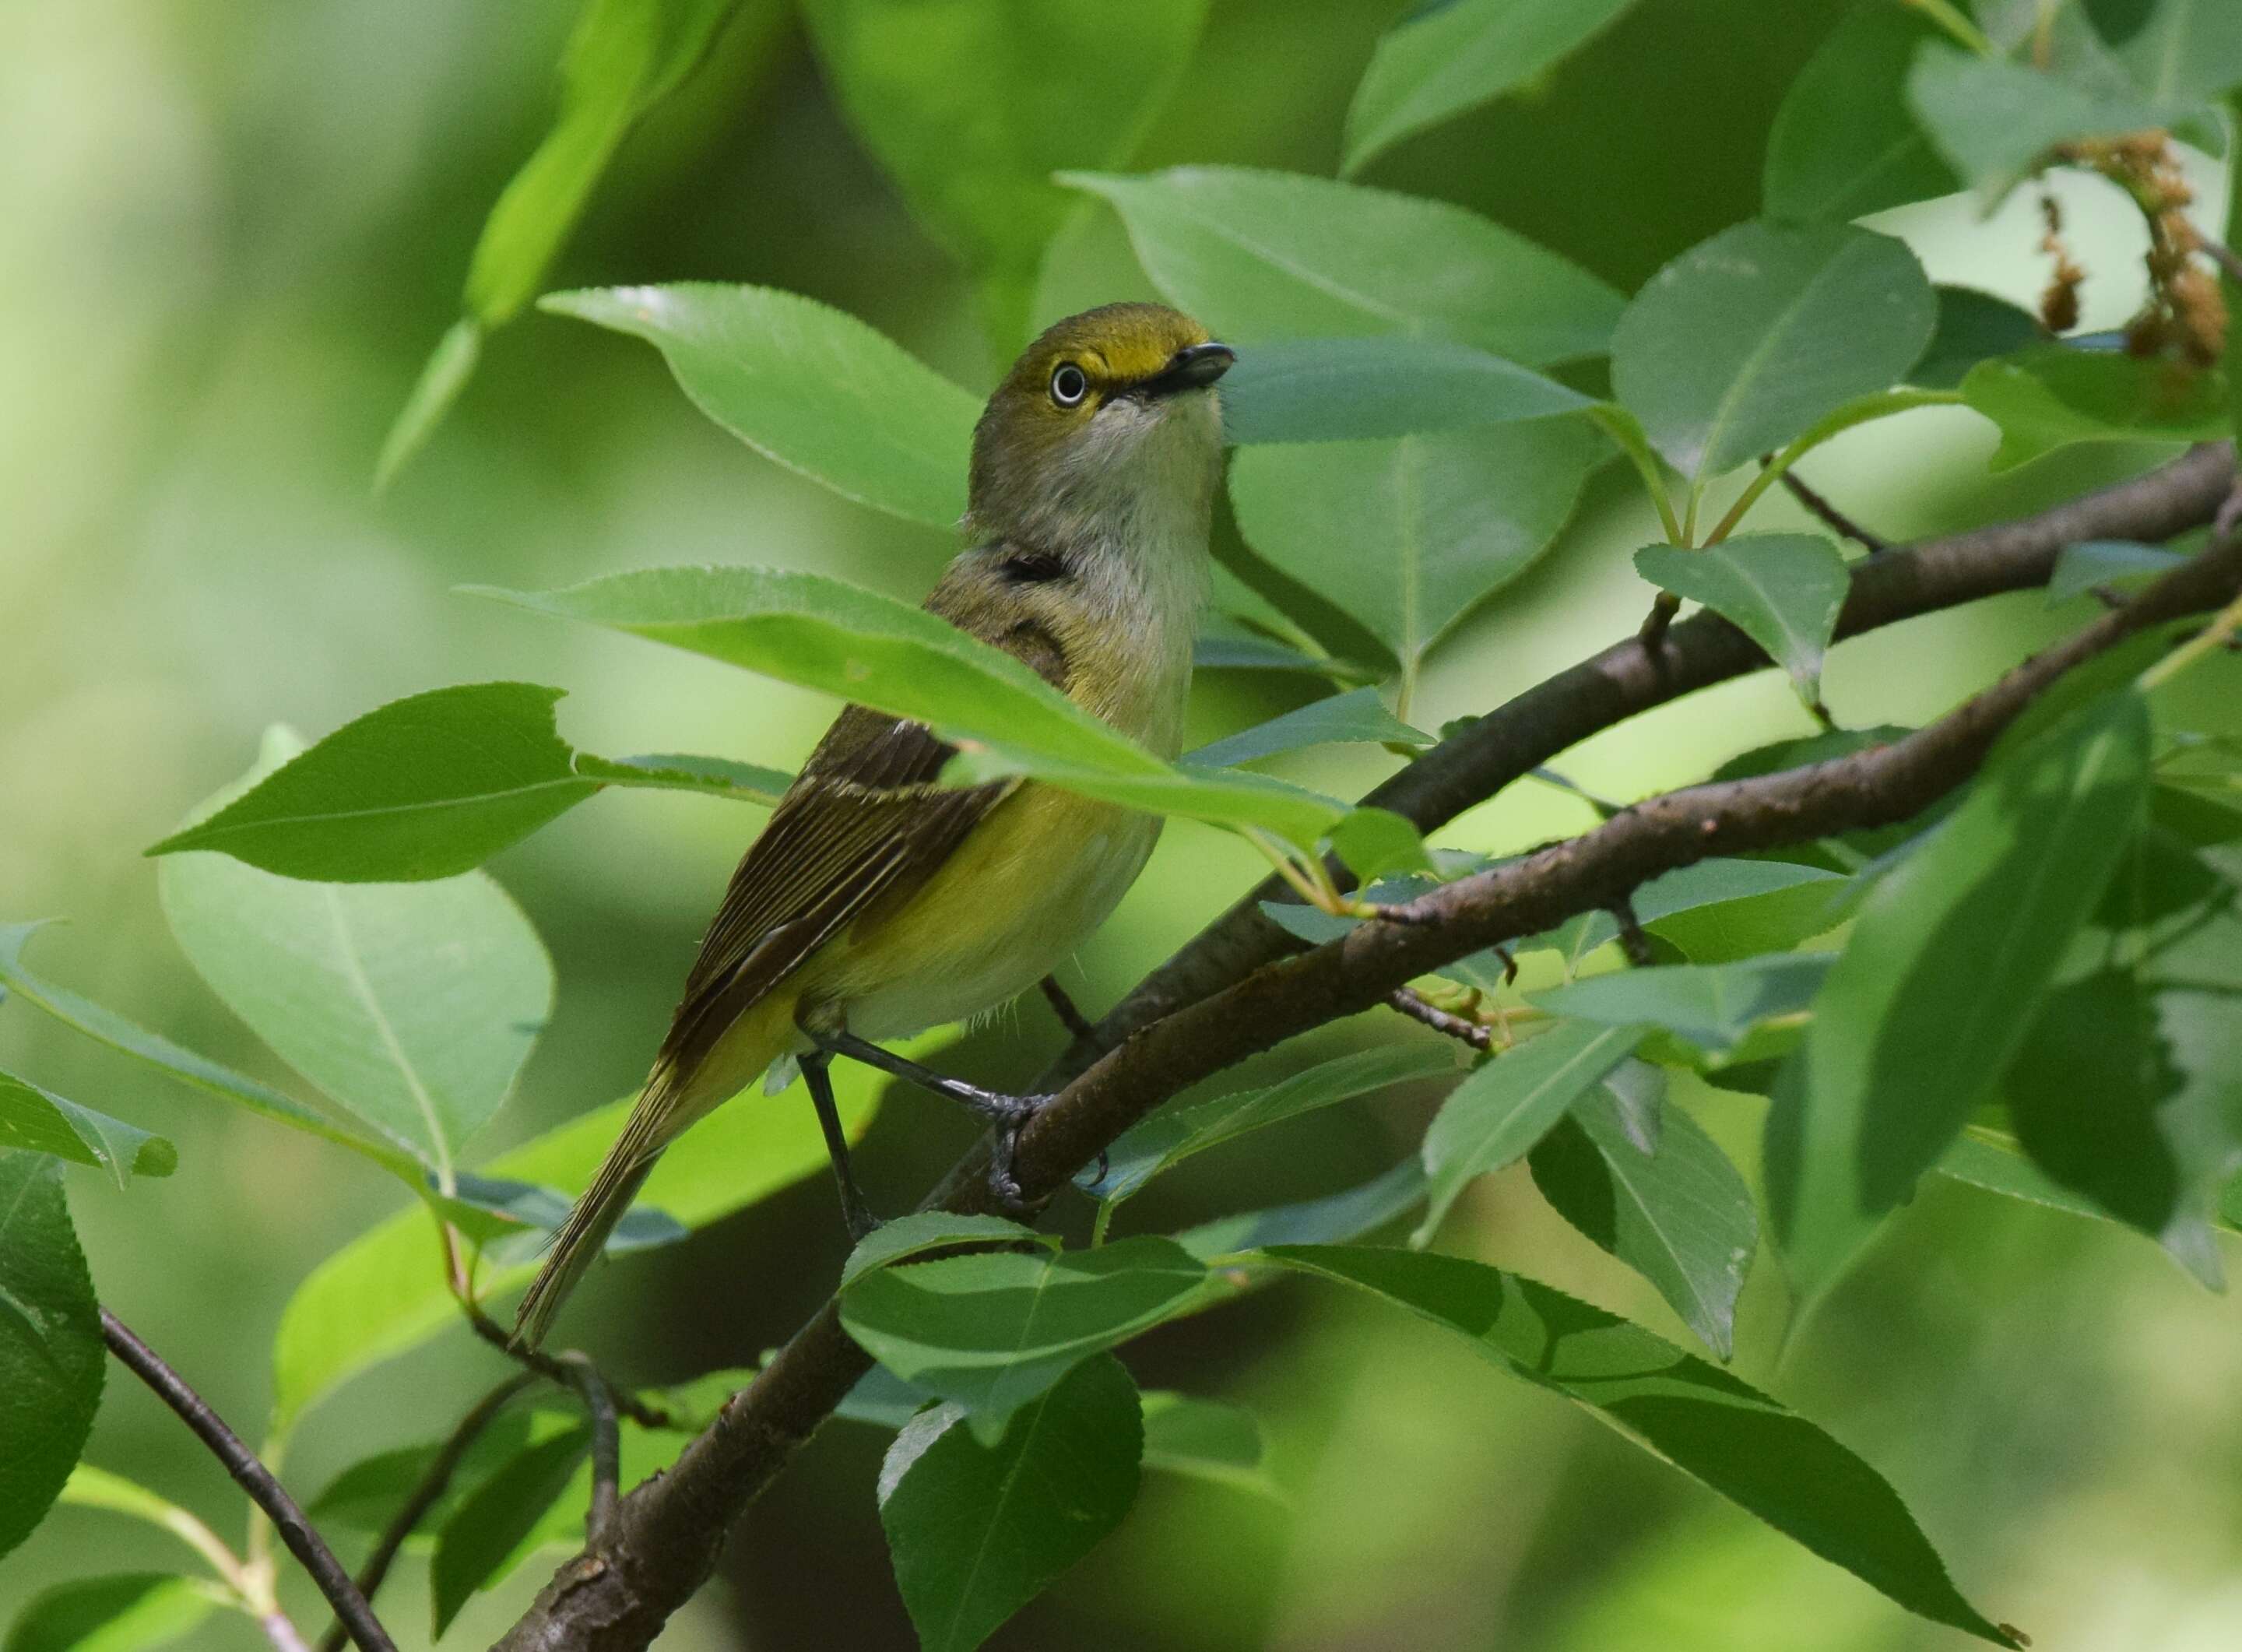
(39, 1121)
(1844, 145)
(2052, 397)
(1277, 255)
(1782, 590)
(125, 1612)
(675, 771)
(51, 1357)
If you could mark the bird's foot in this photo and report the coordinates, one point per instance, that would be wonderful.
(1011, 1115)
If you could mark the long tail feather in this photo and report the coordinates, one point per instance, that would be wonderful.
(585, 1234)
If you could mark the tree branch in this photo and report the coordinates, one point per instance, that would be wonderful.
(1233, 993)
(303, 1542)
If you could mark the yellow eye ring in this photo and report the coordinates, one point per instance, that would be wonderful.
(1069, 385)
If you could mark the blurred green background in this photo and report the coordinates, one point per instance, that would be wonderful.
(229, 232)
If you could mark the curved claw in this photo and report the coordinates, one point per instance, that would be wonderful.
(1003, 1181)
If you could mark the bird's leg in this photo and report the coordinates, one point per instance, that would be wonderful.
(1077, 1024)
(854, 1210)
(1009, 1113)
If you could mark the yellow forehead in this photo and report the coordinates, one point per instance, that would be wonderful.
(1117, 343)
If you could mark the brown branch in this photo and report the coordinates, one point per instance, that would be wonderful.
(433, 1483)
(303, 1540)
(615, 1596)
(1411, 1003)
(606, 1444)
(561, 1368)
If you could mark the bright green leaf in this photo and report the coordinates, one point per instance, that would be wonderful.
(1782, 590)
(52, 1356)
(1680, 1215)
(39, 1121)
(1713, 1006)
(913, 1236)
(994, 1331)
(1843, 145)
(1994, 122)
(2052, 398)
(1277, 255)
(971, 107)
(1746, 340)
(1321, 390)
(1205, 1440)
(127, 1612)
(1721, 1431)
(412, 1004)
(977, 1531)
(1356, 718)
(1442, 59)
(1494, 1116)
(490, 1532)
(672, 772)
(1931, 998)
(443, 377)
(814, 389)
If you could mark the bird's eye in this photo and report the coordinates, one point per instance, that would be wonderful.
(1069, 385)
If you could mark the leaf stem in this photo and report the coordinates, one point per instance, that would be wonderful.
(2224, 626)
(1623, 428)
(1882, 405)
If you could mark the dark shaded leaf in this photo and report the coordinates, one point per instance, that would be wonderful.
(1843, 143)
(1973, 326)
(39, 1121)
(52, 1356)
(493, 1530)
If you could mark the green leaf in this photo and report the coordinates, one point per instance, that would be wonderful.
(1973, 326)
(1444, 58)
(127, 1612)
(412, 1004)
(367, 1495)
(1713, 1006)
(820, 633)
(2189, 53)
(1206, 1439)
(1713, 1427)
(1321, 390)
(1714, 912)
(1951, 951)
(443, 376)
(1262, 255)
(1494, 1116)
(1408, 535)
(1176, 1133)
(51, 1348)
(913, 1236)
(977, 1531)
(130, 1039)
(994, 1331)
(972, 107)
(1680, 1215)
(1747, 339)
(673, 771)
(1782, 590)
(426, 786)
(1994, 122)
(384, 1293)
(1843, 146)
(2118, 563)
(1982, 1159)
(814, 389)
(515, 1221)
(39, 1121)
(1355, 718)
(1332, 1219)
(491, 1531)
(2053, 397)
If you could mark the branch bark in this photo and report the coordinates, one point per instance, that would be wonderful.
(1243, 986)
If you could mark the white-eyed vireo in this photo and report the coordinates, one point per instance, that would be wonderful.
(875, 904)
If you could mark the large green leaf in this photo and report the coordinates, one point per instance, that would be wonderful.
(992, 1332)
(857, 645)
(1175, 1133)
(1407, 535)
(1723, 1432)
(125, 1612)
(1714, 912)
(51, 1348)
(1993, 122)
(1678, 1214)
(2190, 51)
(625, 57)
(1951, 953)
(1782, 590)
(39, 1121)
(1277, 255)
(1358, 717)
(130, 1039)
(2052, 398)
(412, 1004)
(1747, 339)
(1494, 1116)
(384, 1293)
(1843, 145)
(1712, 1006)
(922, 1231)
(977, 1531)
(1333, 1220)
(1315, 390)
(1443, 59)
(491, 1530)
(817, 390)
(971, 106)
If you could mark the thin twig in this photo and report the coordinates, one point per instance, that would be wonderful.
(303, 1540)
(1632, 940)
(1655, 623)
(434, 1482)
(1412, 1004)
(2228, 260)
(1818, 503)
(557, 1367)
(1077, 1024)
(607, 1447)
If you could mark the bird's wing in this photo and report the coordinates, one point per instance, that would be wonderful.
(865, 820)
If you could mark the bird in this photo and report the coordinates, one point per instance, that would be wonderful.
(875, 903)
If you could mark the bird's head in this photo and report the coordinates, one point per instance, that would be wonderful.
(1107, 423)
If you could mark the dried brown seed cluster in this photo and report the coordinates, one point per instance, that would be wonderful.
(2186, 314)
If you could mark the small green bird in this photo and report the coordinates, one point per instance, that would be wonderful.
(875, 903)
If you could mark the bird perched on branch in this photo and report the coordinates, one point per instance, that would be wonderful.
(876, 902)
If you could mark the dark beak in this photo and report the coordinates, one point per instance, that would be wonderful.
(1193, 367)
